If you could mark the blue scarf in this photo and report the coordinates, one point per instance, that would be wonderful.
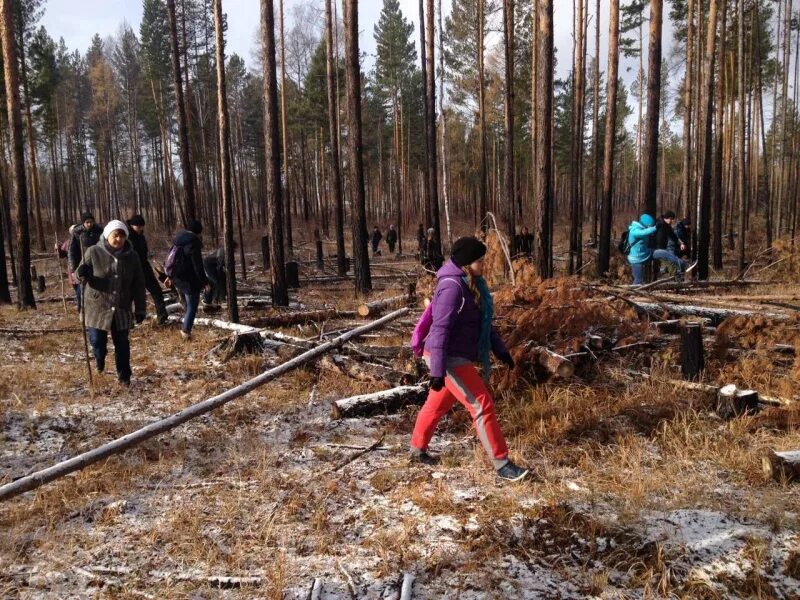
(487, 314)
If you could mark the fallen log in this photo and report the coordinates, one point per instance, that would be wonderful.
(379, 402)
(300, 318)
(782, 466)
(555, 364)
(39, 478)
(361, 371)
(377, 306)
(669, 283)
(217, 581)
(407, 589)
(715, 315)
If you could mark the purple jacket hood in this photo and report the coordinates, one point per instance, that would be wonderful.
(456, 326)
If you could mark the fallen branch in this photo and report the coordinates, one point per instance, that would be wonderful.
(382, 402)
(377, 306)
(300, 318)
(358, 454)
(360, 370)
(39, 478)
(716, 315)
(217, 581)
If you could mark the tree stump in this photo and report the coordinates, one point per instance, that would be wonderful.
(320, 256)
(692, 356)
(782, 466)
(40, 284)
(733, 402)
(265, 251)
(292, 275)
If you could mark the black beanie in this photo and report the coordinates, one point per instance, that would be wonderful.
(195, 226)
(85, 216)
(137, 220)
(467, 250)
(668, 215)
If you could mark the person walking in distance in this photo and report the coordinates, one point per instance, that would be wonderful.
(85, 235)
(114, 280)
(184, 267)
(377, 236)
(391, 238)
(461, 333)
(139, 244)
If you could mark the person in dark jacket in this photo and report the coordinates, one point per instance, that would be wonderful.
(524, 243)
(139, 244)
(432, 257)
(189, 277)
(668, 245)
(391, 238)
(376, 238)
(684, 232)
(113, 275)
(461, 333)
(214, 265)
(85, 235)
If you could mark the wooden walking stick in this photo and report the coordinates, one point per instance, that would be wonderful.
(60, 274)
(83, 319)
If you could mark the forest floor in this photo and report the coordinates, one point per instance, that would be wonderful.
(639, 488)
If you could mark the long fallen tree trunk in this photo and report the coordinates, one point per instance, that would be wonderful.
(297, 318)
(377, 306)
(380, 402)
(39, 478)
(716, 315)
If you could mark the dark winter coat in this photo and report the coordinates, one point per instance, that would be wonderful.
(117, 282)
(139, 244)
(215, 262)
(391, 237)
(377, 236)
(665, 235)
(524, 243)
(190, 277)
(456, 327)
(85, 237)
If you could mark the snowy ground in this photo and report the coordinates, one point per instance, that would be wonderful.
(260, 491)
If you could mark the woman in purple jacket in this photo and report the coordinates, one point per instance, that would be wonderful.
(462, 334)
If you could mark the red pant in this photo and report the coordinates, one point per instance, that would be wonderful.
(463, 383)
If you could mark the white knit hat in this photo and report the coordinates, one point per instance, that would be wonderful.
(113, 226)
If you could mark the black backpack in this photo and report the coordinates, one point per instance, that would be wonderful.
(624, 245)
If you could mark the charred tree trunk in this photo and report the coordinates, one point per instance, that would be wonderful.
(25, 298)
(287, 192)
(430, 129)
(508, 167)
(606, 207)
(272, 151)
(484, 168)
(741, 192)
(352, 67)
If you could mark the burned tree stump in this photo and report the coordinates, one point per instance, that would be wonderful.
(40, 284)
(733, 402)
(265, 252)
(692, 356)
(320, 255)
(782, 466)
(293, 274)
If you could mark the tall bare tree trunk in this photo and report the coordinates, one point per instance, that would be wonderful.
(740, 150)
(544, 140)
(686, 180)
(596, 188)
(32, 154)
(272, 151)
(717, 187)
(704, 197)
(576, 187)
(606, 206)
(430, 129)
(25, 298)
(484, 169)
(426, 201)
(225, 165)
(333, 131)
(363, 280)
(183, 131)
(287, 192)
(445, 178)
(508, 167)
(649, 184)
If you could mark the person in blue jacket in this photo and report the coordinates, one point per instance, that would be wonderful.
(641, 251)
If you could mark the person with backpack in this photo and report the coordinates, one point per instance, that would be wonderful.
(139, 244)
(668, 245)
(391, 238)
(377, 236)
(460, 333)
(638, 247)
(114, 280)
(184, 267)
(85, 235)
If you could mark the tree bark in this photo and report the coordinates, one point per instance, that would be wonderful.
(287, 192)
(686, 182)
(606, 208)
(649, 184)
(333, 131)
(543, 140)
(25, 298)
(740, 149)
(484, 168)
(225, 165)
(508, 167)
(183, 131)
(272, 151)
(430, 129)
(360, 252)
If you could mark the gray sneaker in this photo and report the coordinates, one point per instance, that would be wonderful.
(423, 458)
(511, 472)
